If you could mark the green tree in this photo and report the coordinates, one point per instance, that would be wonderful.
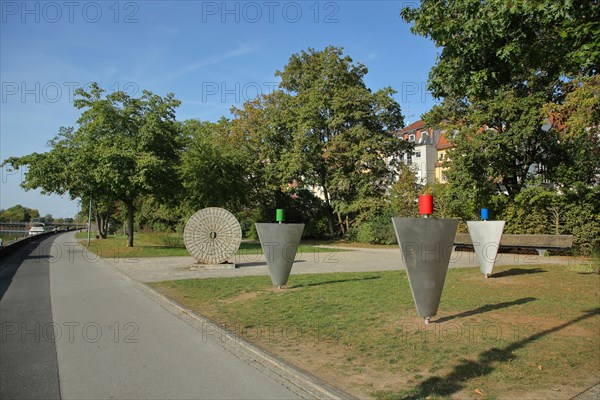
(485, 45)
(327, 131)
(18, 213)
(404, 193)
(505, 71)
(124, 148)
(576, 121)
(214, 171)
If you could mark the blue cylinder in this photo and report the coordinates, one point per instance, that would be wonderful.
(485, 214)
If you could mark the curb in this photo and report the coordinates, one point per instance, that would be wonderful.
(296, 380)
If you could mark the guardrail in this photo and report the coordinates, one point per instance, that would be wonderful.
(17, 244)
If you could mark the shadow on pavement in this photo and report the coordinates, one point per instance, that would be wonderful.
(261, 263)
(13, 262)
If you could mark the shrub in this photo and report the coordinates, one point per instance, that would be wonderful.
(378, 230)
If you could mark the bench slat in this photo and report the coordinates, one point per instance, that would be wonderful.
(534, 241)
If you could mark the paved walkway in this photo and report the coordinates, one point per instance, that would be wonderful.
(329, 259)
(77, 326)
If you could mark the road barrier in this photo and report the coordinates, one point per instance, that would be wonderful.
(13, 246)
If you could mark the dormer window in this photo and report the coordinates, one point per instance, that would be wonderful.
(411, 137)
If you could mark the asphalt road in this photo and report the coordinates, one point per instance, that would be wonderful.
(100, 337)
(28, 365)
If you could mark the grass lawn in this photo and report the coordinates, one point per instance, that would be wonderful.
(527, 332)
(163, 245)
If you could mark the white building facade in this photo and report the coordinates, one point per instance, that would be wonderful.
(424, 158)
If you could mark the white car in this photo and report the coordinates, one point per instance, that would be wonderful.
(37, 228)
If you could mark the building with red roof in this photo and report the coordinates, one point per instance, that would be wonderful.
(423, 160)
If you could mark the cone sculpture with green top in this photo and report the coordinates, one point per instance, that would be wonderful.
(486, 236)
(279, 243)
(426, 246)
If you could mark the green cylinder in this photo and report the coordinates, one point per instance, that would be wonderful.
(280, 215)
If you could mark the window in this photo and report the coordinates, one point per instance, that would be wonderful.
(408, 159)
(417, 154)
(411, 138)
(442, 156)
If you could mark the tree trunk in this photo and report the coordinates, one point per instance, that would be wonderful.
(105, 227)
(130, 223)
(329, 210)
(340, 222)
(102, 222)
(99, 224)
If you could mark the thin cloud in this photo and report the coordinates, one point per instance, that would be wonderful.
(241, 50)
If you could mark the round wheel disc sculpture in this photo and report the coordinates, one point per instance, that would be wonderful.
(212, 235)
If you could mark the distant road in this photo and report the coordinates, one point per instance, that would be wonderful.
(72, 329)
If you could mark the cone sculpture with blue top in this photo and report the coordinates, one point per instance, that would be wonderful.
(486, 236)
(279, 243)
(426, 245)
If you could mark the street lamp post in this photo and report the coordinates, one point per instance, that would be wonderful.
(90, 223)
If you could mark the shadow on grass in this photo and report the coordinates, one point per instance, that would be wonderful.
(455, 381)
(518, 271)
(486, 308)
(368, 278)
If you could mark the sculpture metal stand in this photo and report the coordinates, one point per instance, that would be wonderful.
(486, 236)
(426, 246)
(279, 243)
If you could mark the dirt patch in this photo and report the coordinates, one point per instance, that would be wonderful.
(245, 296)
(557, 392)
(283, 290)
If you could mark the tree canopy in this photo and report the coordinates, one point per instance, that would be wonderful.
(486, 45)
(124, 148)
(325, 130)
(18, 213)
(501, 65)
(520, 102)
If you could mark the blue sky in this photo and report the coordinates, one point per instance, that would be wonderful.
(211, 54)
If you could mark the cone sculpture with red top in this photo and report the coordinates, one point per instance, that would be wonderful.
(486, 236)
(426, 245)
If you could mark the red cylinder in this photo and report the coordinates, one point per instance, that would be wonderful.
(426, 204)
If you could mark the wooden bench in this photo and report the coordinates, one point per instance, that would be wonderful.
(541, 243)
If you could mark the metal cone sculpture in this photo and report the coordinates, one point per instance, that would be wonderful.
(426, 246)
(486, 236)
(279, 243)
